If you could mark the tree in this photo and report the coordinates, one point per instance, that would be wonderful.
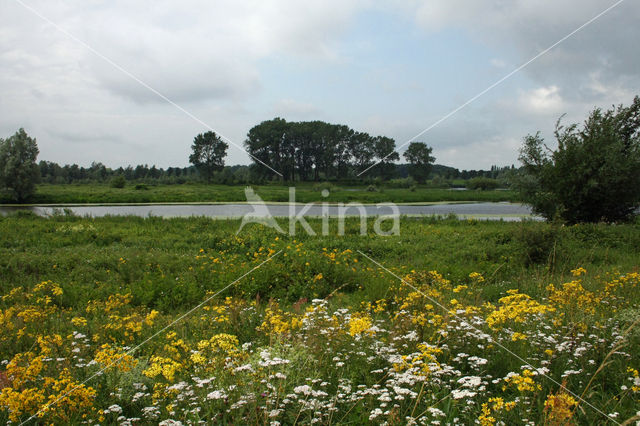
(18, 169)
(208, 154)
(594, 175)
(418, 154)
(384, 149)
(361, 148)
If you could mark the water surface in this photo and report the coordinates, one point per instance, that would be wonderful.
(505, 211)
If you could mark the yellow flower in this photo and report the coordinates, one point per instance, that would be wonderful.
(109, 357)
(578, 272)
(360, 323)
(79, 321)
(518, 336)
(523, 382)
(517, 308)
(559, 408)
(476, 276)
(163, 366)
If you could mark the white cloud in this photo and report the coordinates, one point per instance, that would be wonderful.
(208, 57)
(542, 99)
(203, 55)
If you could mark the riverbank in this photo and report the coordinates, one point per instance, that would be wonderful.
(209, 194)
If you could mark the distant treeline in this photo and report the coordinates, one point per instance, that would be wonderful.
(53, 173)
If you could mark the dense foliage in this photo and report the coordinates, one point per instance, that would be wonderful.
(18, 168)
(418, 154)
(208, 154)
(593, 175)
(315, 150)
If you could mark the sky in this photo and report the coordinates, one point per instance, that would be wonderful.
(122, 82)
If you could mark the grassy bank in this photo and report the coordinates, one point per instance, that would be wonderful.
(318, 331)
(103, 193)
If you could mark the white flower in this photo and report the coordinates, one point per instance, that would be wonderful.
(462, 393)
(275, 413)
(170, 422)
(436, 412)
(115, 408)
(216, 395)
(470, 381)
(304, 389)
(375, 413)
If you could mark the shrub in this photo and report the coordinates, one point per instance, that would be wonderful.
(321, 186)
(594, 175)
(537, 243)
(118, 182)
(141, 187)
(402, 182)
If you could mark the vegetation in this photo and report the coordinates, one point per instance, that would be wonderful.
(317, 150)
(118, 182)
(18, 168)
(483, 183)
(418, 154)
(397, 191)
(53, 173)
(594, 175)
(208, 154)
(474, 332)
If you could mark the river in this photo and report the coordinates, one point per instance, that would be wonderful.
(495, 211)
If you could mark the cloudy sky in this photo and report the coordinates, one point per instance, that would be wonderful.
(390, 68)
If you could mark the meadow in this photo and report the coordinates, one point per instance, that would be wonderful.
(200, 192)
(125, 320)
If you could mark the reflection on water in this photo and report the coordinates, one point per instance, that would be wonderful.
(506, 211)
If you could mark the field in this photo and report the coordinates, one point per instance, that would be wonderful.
(307, 192)
(124, 320)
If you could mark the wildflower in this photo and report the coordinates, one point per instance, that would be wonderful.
(518, 336)
(79, 321)
(109, 357)
(516, 307)
(360, 323)
(217, 394)
(523, 382)
(559, 408)
(476, 277)
(578, 272)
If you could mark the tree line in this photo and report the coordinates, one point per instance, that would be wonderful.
(302, 151)
(316, 150)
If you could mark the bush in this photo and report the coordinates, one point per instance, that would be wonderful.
(482, 183)
(537, 243)
(402, 183)
(372, 188)
(593, 176)
(321, 186)
(141, 187)
(118, 182)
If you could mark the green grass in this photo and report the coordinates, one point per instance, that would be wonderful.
(103, 193)
(172, 265)
(527, 255)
